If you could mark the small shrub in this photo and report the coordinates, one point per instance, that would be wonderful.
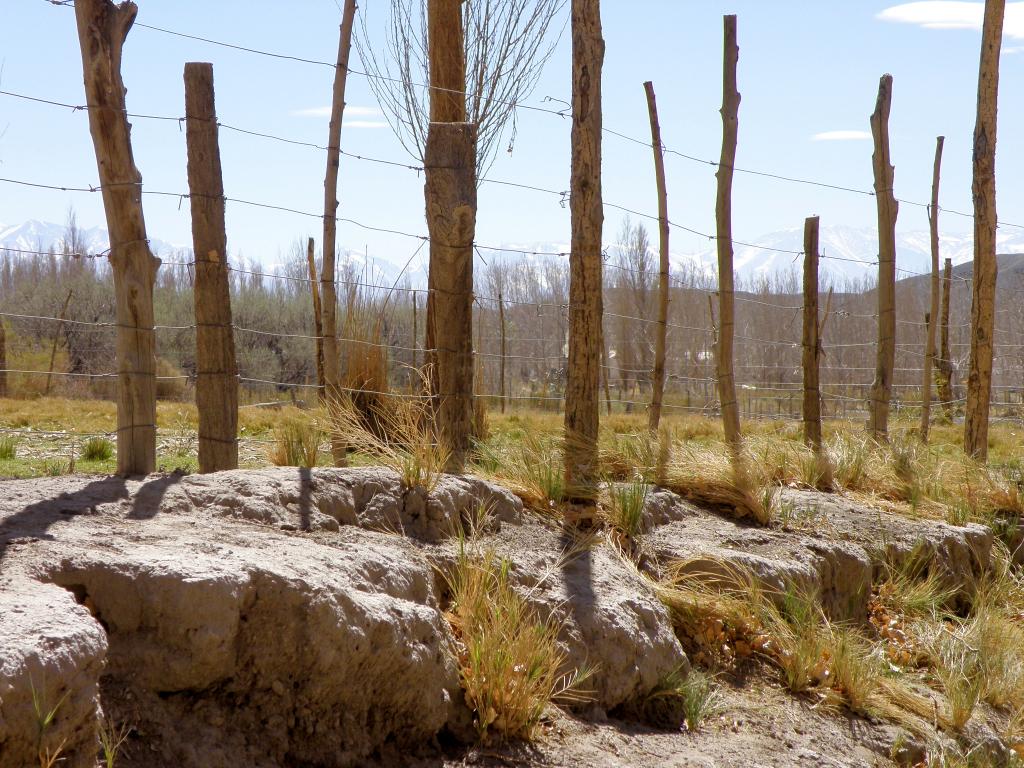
(97, 449)
(8, 448)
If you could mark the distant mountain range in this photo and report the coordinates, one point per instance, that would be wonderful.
(42, 235)
(848, 252)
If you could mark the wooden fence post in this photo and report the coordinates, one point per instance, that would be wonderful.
(450, 192)
(56, 339)
(328, 293)
(979, 379)
(415, 332)
(102, 30)
(318, 319)
(501, 323)
(812, 328)
(933, 314)
(658, 376)
(3, 360)
(946, 360)
(216, 367)
(586, 285)
(723, 220)
(888, 209)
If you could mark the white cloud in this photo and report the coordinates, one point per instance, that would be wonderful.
(950, 14)
(841, 136)
(350, 111)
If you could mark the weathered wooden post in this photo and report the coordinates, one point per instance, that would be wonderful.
(586, 307)
(812, 328)
(979, 379)
(450, 191)
(102, 30)
(888, 209)
(946, 360)
(658, 375)
(318, 319)
(328, 291)
(501, 323)
(933, 314)
(216, 368)
(723, 219)
(56, 341)
(3, 359)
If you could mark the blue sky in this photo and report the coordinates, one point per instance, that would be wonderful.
(805, 69)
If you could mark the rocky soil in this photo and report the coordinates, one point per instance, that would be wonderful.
(288, 617)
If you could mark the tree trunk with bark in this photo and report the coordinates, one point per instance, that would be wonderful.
(933, 314)
(946, 361)
(102, 30)
(329, 296)
(723, 219)
(450, 192)
(979, 379)
(812, 328)
(582, 398)
(658, 375)
(318, 319)
(888, 209)
(216, 368)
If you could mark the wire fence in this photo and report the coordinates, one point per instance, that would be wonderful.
(768, 350)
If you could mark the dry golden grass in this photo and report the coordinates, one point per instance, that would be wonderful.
(398, 432)
(296, 443)
(510, 662)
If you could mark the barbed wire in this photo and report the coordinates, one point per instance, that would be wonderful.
(562, 113)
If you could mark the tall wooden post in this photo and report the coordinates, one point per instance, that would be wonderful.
(3, 360)
(216, 368)
(888, 208)
(450, 191)
(102, 30)
(658, 376)
(501, 324)
(946, 360)
(318, 319)
(586, 305)
(811, 340)
(451, 220)
(979, 379)
(328, 292)
(723, 220)
(415, 330)
(933, 314)
(447, 61)
(56, 341)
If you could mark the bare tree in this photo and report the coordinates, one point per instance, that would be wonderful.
(507, 43)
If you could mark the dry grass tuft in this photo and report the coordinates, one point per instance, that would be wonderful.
(511, 664)
(709, 478)
(397, 431)
(683, 699)
(296, 443)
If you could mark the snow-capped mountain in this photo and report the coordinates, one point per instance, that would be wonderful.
(849, 252)
(42, 235)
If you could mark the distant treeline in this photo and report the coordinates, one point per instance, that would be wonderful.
(275, 325)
